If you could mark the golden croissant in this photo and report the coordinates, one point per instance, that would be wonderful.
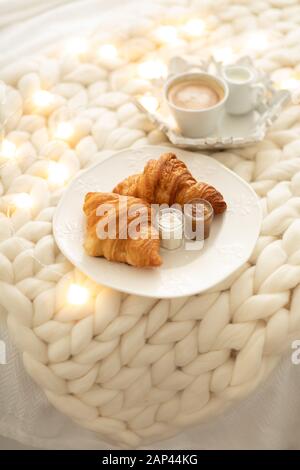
(104, 210)
(168, 181)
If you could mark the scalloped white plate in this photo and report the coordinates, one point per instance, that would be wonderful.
(231, 131)
(232, 238)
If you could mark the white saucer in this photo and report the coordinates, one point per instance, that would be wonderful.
(231, 242)
(231, 131)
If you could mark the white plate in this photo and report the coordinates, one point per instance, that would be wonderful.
(232, 239)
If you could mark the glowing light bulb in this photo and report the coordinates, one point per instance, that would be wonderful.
(57, 174)
(8, 149)
(166, 34)
(290, 84)
(42, 98)
(194, 28)
(152, 69)
(64, 130)
(76, 46)
(23, 201)
(77, 295)
(257, 41)
(149, 102)
(224, 54)
(108, 51)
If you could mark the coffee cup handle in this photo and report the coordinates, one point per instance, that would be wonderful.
(259, 90)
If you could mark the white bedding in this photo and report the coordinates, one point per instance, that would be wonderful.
(267, 419)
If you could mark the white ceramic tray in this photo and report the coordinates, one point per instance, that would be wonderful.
(183, 272)
(232, 131)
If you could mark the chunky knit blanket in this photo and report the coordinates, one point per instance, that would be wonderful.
(138, 369)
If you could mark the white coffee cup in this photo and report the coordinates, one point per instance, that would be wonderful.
(196, 123)
(244, 93)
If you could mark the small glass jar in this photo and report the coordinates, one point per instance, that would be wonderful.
(170, 226)
(198, 216)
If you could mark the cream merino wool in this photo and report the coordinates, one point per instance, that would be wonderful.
(138, 369)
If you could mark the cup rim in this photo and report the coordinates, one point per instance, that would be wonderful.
(202, 201)
(170, 210)
(187, 75)
(240, 66)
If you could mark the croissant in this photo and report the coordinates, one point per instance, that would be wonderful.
(106, 209)
(168, 181)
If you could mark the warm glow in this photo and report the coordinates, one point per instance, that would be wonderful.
(8, 149)
(194, 28)
(257, 41)
(291, 84)
(76, 46)
(64, 130)
(108, 51)
(152, 69)
(42, 98)
(166, 34)
(23, 201)
(149, 102)
(77, 295)
(224, 54)
(57, 174)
